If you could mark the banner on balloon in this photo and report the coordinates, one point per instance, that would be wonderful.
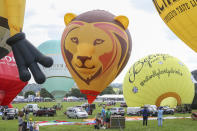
(181, 18)
(58, 69)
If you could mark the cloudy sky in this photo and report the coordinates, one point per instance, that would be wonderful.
(44, 20)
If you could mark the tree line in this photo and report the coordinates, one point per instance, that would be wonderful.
(73, 92)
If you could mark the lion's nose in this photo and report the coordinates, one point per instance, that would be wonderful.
(85, 50)
(83, 58)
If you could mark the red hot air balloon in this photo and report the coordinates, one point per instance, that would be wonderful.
(10, 83)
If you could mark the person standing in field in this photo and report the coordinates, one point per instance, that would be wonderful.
(20, 120)
(160, 116)
(103, 115)
(145, 114)
(107, 117)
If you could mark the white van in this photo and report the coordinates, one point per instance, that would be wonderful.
(134, 111)
(32, 107)
(75, 112)
(152, 109)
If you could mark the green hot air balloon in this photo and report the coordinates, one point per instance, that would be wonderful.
(59, 80)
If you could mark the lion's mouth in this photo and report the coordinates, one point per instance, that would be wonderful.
(85, 67)
(85, 70)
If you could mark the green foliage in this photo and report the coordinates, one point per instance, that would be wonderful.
(75, 92)
(20, 94)
(44, 93)
(29, 93)
(120, 92)
(108, 90)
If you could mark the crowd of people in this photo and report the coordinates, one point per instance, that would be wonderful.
(25, 123)
(103, 118)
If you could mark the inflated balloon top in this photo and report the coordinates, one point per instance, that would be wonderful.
(96, 46)
(181, 18)
(158, 79)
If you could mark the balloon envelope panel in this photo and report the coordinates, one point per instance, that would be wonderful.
(156, 77)
(10, 84)
(181, 18)
(170, 101)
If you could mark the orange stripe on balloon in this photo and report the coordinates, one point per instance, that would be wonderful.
(107, 26)
(108, 59)
(77, 23)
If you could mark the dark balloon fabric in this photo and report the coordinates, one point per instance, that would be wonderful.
(10, 83)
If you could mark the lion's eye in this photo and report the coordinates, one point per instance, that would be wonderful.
(75, 40)
(98, 41)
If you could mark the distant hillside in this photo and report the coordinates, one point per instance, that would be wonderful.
(32, 87)
(116, 85)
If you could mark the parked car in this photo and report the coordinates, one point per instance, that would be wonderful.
(110, 103)
(47, 99)
(75, 112)
(123, 104)
(117, 111)
(101, 104)
(167, 110)
(32, 107)
(134, 111)
(152, 110)
(45, 112)
(58, 106)
(92, 106)
(9, 113)
(184, 108)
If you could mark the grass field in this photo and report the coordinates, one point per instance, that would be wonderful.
(169, 125)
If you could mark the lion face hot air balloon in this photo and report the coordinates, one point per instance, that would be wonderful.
(181, 18)
(158, 79)
(96, 46)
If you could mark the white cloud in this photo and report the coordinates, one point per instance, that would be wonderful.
(44, 20)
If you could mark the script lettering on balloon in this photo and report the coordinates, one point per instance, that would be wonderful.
(157, 73)
(140, 64)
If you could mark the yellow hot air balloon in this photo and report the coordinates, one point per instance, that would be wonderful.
(181, 18)
(96, 46)
(156, 80)
(11, 21)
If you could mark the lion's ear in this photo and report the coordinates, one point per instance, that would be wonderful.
(123, 20)
(69, 17)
